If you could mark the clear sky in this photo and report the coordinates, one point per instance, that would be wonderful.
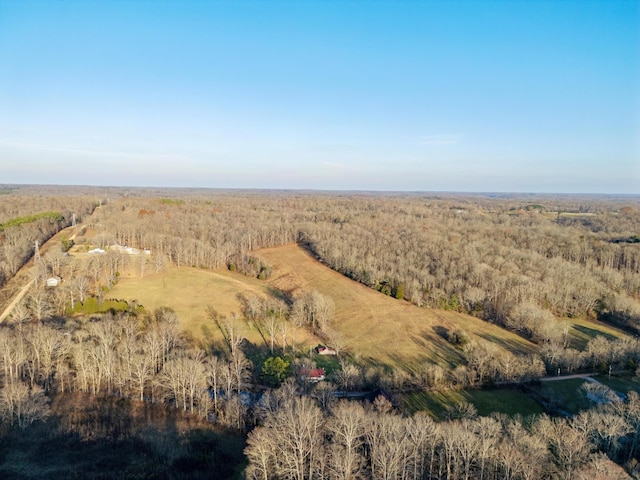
(534, 96)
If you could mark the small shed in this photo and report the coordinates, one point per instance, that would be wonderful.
(53, 282)
(322, 350)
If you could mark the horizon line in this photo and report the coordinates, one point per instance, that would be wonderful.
(326, 190)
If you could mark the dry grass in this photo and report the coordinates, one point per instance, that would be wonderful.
(189, 292)
(379, 329)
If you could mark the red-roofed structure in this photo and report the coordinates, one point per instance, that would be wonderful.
(312, 374)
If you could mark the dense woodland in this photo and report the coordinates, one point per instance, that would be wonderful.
(570, 256)
(525, 263)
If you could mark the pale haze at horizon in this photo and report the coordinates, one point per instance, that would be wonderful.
(404, 95)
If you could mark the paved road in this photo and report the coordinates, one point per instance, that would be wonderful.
(567, 377)
(23, 291)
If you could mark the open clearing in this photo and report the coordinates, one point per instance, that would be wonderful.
(564, 396)
(503, 400)
(379, 329)
(189, 291)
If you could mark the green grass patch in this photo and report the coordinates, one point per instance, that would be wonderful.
(16, 222)
(622, 384)
(330, 363)
(508, 401)
(92, 306)
(171, 201)
(563, 396)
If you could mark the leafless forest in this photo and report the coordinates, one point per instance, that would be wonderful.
(529, 263)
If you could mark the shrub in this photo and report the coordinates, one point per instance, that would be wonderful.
(275, 370)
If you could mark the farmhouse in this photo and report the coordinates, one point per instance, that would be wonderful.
(312, 374)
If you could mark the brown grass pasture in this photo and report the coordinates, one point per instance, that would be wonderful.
(189, 291)
(379, 329)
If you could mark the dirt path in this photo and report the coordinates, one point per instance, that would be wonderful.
(15, 288)
(7, 311)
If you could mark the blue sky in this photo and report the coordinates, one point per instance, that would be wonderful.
(530, 96)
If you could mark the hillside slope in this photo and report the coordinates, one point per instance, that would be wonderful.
(378, 328)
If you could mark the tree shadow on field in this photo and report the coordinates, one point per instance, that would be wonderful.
(409, 364)
(512, 345)
(369, 361)
(210, 344)
(282, 295)
(440, 351)
(593, 333)
(441, 331)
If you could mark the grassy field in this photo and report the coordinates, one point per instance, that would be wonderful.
(622, 384)
(190, 291)
(583, 330)
(380, 329)
(508, 401)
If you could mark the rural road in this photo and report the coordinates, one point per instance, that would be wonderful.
(567, 377)
(23, 291)
(26, 268)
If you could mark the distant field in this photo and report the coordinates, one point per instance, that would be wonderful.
(379, 329)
